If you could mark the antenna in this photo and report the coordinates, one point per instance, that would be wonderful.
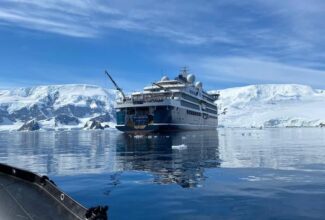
(116, 86)
(184, 70)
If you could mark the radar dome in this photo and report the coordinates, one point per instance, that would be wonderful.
(164, 78)
(198, 85)
(190, 78)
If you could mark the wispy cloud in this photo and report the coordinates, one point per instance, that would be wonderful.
(177, 21)
(26, 20)
(249, 70)
(285, 25)
(266, 41)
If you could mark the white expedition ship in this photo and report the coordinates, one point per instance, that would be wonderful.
(169, 104)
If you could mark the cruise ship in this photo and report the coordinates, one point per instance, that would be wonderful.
(166, 105)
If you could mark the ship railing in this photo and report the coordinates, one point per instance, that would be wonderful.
(141, 101)
(152, 98)
(121, 101)
(144, 99)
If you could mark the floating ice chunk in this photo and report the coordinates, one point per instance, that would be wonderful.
(179, 147)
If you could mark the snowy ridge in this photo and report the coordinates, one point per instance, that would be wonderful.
(74, 106)
(61, 95)
(55, 106)
(272, 105)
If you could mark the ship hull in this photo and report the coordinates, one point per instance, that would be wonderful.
(160, 117)
(164, 128)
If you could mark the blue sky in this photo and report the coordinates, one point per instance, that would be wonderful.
(225, 43)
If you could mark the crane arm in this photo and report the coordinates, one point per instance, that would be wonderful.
(116, 86)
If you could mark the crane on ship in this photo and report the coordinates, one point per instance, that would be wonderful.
(116, 86)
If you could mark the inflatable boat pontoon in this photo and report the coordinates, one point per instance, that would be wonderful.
(26, 195)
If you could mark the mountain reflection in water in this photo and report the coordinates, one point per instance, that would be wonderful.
(171, 158)
(229, 174)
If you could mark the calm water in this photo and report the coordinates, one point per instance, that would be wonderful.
(229, 174)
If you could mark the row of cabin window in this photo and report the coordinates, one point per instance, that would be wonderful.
(189, 105)
(189, 112)
(211, 106)
(195, 100)
(210, 111)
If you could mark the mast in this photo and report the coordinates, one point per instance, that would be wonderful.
(184, 71)
(116, 86)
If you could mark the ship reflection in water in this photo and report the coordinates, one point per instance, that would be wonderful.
(171, 158)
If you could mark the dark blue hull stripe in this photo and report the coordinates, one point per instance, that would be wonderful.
(165, 127)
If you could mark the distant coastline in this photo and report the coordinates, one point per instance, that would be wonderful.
(78, 106)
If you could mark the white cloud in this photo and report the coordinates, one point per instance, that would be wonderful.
(288, 31)
(281, 25)
(249, 70)
(175, 21)
(39, 23)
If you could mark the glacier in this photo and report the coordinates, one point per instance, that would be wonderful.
(272, 105)
(80, 106)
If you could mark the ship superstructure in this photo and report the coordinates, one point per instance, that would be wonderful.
(169, 104)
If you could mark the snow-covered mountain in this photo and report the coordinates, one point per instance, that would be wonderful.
(56, 106)
(86, 106)
(272, 105)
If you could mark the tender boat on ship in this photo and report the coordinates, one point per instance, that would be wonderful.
(169, 104)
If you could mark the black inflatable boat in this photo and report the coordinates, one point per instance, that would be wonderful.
(26, 195)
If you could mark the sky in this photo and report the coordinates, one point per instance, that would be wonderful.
(225, 43)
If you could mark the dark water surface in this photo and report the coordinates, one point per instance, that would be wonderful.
(229, 174)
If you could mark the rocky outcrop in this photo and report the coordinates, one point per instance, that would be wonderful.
(102, 118)
(31, 125)
(98, 122)
(94, 125)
